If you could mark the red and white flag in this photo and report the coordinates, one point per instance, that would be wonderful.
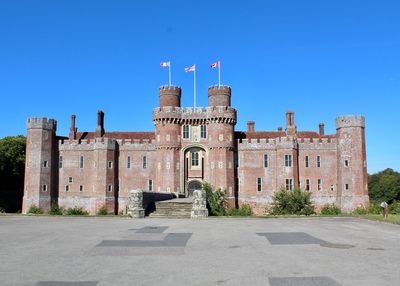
(191, 69)
(165, 64)
(214, 65)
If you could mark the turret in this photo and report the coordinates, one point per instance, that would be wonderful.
(169, 96)
(40, 163)
(351, 159)
(219, 96)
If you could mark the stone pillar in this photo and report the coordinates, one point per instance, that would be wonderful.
(135, 204)
(199, 208)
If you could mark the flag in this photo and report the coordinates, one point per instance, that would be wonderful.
(165, 64)
(191, 69)
(214, 65)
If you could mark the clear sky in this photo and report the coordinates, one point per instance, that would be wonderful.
(321, 59)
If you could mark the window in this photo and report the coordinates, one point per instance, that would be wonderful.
(259, 184)
(66, 188)
(346, 186)
(109, 188)
(308, 185)
(265, 161)
(60, 162)
(346, 163)
(288, 160)
(128, 162)
(289, 184)
(44, 188)
(195, 158)
(203, 131)
(319, 184)
(81, 162)
(109, 164)
(307, 161)
(185, 131)
(144, 162)
(332, 187)
(318, 161)
(45, 164)
(150, 185)
(70, 180)
(81, 188)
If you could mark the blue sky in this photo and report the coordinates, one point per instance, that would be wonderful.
(319, 58)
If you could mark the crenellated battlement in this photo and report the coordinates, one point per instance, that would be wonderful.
(350, 121)
(86, 144)
(219, 90)
(169, 90)
(219, 95)
(41, 123)
(266, 143)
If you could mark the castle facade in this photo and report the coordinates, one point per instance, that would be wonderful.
(189, 146)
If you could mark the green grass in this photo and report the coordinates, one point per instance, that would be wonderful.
(391, 218)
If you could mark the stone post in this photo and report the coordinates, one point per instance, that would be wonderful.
(135, 204)
(199, 208)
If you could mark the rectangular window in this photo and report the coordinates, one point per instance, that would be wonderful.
(70, 180)
(319, 184)
(308, 185)
(81, 188)
(109, 188)
(347, 186)
(332, 187)
(44, 188)
(289, 184)
(150, 185)
(128, 162)
(346, 163)
(195, 158)
(81, 162)
(45, 164)
(185, 131)
(307, 161)
(265, 161)
(66, 188)
(144, 162)
(318, 161)
(203, 131)
(109, 164)
(60, 162)
(259, 184)
(288, 160)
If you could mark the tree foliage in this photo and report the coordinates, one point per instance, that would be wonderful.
(292, 202)
(384, 186)
(12, 167)
(216, 202)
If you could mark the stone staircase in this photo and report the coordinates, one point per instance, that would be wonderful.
(176, 208)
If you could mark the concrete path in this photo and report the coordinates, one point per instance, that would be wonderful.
(76, 251)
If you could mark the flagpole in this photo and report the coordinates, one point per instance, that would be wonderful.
(169, 73)
(194, 81)
(219, 74)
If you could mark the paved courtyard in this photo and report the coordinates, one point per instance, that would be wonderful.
(72, 251)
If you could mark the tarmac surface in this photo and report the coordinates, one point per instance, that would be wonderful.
(94, 251)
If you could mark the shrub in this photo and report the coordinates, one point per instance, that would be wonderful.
(292, 202)
(330, 209)
(394, 208)
(216, 201)
(76, 211)
(102, 211)
(56, 210)
(34, 209)
(374, 208)
(244, 210)
(360, 210)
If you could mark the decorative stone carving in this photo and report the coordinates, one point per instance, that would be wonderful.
(199, 208)
(135, 204)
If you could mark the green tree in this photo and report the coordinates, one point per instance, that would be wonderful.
(12, 167)
(292, 202)
(384, 186)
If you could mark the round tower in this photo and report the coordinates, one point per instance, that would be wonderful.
(219, 95)
(169, 96)
(352, 165)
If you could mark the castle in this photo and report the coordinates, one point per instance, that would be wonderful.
(189, 146)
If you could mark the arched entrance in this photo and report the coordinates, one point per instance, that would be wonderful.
(192, 186)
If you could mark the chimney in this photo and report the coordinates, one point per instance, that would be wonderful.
(72, 129)
(280, 129)
(290, 127)
(100, 124)
(321, 129)
(250, 126)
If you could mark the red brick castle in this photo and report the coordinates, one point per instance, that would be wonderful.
(189, 146)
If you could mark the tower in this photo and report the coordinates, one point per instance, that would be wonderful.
(40, 164)
(221, 119)
(352, 165)
(168, 139)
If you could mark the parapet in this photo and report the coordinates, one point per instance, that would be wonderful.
(219, 95)
(170, 96)
(350, 121)
(41, 123)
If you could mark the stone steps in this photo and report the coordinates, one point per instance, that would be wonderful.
(172, 209)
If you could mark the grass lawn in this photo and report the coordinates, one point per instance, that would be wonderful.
(391, 218)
